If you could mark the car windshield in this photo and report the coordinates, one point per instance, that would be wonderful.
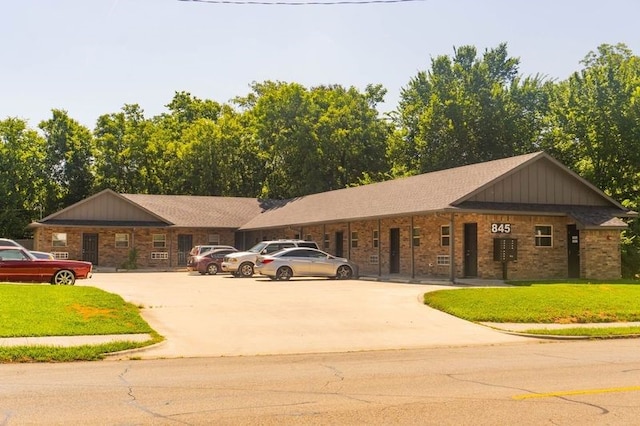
(257, 248)
(15, 254)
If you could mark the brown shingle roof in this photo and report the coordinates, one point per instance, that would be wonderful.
(199, 211)
(416, 194)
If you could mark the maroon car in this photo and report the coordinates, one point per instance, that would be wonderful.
(18, 265)
(208, 262)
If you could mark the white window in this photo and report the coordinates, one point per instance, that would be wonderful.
(159, 240)
(416, 236)
(159, 255)
(214, 239)
(122, 240)
(442, 260)
(445, 236)
(376, 239)
(544, 235)
(59, 239)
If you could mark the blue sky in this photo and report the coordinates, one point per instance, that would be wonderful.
(92, 57)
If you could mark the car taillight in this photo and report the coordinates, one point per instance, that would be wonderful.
(265, 261)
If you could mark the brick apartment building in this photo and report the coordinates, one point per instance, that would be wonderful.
(525, 217)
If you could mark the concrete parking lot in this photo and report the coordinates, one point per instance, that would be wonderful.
(224, 316)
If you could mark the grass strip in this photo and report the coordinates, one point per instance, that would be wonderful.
(46, 310)
(542, 303)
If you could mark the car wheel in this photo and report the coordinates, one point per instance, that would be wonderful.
(284, 273)
(246, 270)
(344, 272)
(63, 277)
(212, 269)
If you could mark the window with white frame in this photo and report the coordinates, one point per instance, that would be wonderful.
(122, 240)
(159, 240)
(214, 239)
(354, 239)
(59, 239)
(376, 238)
(416, 236)
(327, 241)
(544, 235)
(445, 236)
(443, 260)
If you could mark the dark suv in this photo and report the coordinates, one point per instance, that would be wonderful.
(241, 264)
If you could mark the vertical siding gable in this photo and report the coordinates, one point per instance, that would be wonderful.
(107, 206)
(541, 182)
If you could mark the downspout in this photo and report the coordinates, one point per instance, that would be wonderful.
(452, 250)
(413, 251)
(324, 239)
(349, 239)
(170, 248)
(379, 244)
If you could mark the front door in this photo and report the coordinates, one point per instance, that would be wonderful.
(394, 250)
(573, 247)
(471, 250)
(339, 244)
(185, 244)
(90, 248)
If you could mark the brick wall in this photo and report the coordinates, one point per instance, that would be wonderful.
(532, 263)
(139, 238)
(600, 249)
(600, 256)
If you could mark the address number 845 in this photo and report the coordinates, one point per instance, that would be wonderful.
(501, 228)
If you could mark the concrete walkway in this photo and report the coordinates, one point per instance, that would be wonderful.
(66, 341)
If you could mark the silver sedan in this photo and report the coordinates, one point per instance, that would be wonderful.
(304, 262)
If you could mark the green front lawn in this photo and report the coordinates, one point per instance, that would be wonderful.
(546, 303)
(46, 310)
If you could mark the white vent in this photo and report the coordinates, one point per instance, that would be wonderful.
(61, 254)
(159, 255)
(373, 259)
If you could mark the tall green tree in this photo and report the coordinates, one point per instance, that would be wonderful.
(594, 128)
(125, 154)
(215, 158)
(466, 110)
(595, 121)
(180, 167)
(313, 140)
(69, 161)
(22, 180)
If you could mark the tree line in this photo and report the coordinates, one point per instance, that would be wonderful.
(284, 140)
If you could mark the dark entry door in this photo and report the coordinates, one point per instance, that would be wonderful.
(185, 243)
(90, 248)
(573, 247)
(470, 249)
(394, 250)
(339, 244)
